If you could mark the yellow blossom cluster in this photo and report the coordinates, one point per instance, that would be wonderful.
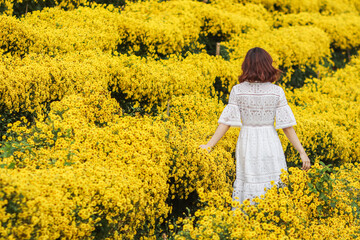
(8, 6)
(288, 46)
(341, 28)
(31, 83)
(149, 28)
(121, 169)
(316, 204)
(191, 119)
(85, 168)
(53, 32)
(331, 113)
(296, 6)
(15, 38)
(104, 108)
(88, 131)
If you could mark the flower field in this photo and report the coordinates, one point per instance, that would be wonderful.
(104, 105)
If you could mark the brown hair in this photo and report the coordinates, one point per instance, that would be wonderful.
(257, 66)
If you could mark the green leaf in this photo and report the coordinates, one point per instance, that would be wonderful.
(319, 186)
(11, 166)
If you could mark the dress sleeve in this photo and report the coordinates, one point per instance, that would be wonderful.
(284, 116)
(231, 113)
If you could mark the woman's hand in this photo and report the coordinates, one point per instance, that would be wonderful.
(220, 131)
(206, 147)
(306, 161)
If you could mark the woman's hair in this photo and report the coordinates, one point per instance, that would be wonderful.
(257, 66)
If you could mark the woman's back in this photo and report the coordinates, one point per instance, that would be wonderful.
(259, 104)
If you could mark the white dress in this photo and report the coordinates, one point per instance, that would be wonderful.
(259, 153)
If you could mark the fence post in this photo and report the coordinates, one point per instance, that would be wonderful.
(26, 9)
(217, 49)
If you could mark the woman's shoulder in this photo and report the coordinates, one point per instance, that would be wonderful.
(266, 87)
(238, 87)
(279, 89)
(277, 86)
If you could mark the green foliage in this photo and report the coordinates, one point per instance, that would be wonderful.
(321, 183)
(341, 57)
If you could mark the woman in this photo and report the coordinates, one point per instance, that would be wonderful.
(253, 105)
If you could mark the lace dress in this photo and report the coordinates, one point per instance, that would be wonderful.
(259, 153)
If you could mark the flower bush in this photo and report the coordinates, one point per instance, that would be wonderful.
(319, 204)
(103, 109)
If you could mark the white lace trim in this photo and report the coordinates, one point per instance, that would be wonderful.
(231, 116)
(284, 117)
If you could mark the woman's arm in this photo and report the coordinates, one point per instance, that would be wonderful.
(220, 131)
(291, 135)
